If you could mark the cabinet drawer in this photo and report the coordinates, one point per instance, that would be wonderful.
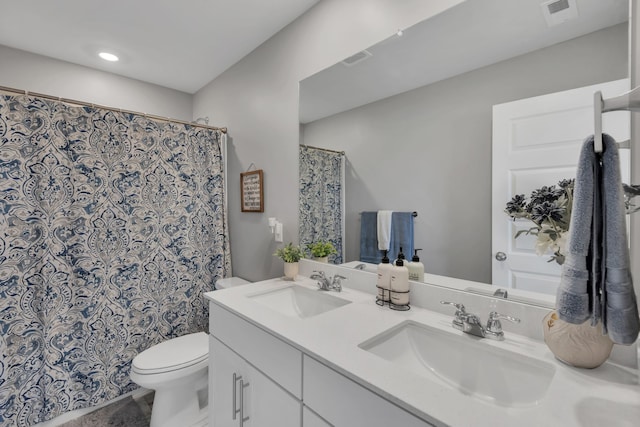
(342, 402)
(276, 359)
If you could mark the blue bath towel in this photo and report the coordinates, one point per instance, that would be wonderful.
(401, 236)
(369, 238)
(596, 280)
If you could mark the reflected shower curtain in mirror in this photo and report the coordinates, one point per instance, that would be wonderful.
(322, 177)
(111, 228)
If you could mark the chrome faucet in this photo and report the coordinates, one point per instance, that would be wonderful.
(501, 293)
(471, 324)
(328, 284)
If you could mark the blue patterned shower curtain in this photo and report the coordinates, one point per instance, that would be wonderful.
(112, 226)
(321, 201)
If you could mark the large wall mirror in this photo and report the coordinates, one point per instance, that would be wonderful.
(413, 114)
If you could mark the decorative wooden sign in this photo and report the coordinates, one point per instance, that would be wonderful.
(251, 191)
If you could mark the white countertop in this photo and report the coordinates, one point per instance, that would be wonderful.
(608, 395)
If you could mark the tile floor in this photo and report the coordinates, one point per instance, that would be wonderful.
(127, 412)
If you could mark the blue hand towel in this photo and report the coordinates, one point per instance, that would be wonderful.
(369, 238)
(596, 280)
(401, 235)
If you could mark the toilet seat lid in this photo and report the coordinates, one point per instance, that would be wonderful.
(173, 354)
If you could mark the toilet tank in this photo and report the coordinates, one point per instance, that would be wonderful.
(230, 282)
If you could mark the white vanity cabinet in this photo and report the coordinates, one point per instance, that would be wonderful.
(242, 396)
(256, 380)
(351, 365)
(255, 376)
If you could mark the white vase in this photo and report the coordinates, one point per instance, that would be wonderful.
(324, 259)
(290, 270)
(582, 346)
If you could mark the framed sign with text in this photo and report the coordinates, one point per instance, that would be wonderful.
(251, 191)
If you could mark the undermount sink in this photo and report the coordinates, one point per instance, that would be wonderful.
(297, 301)
(465, 363)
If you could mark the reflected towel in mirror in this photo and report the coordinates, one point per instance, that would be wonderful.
(384, 229)
(401, 236)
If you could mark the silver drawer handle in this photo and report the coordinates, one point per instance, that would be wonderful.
(242, 417)
(235, 410)
(501, 256)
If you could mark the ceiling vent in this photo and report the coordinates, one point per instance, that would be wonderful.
(358, 57)
(558, 11)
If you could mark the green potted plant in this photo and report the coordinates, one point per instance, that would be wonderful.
(321, 250)
(290, 254)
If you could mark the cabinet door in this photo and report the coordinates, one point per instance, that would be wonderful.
(267, 404)
(241, 396)
(224, 369)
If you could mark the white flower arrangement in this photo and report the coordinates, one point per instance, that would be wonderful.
(549, 208)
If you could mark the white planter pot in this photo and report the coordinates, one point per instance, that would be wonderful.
(324, 259)
(582, 346)
(290, 270)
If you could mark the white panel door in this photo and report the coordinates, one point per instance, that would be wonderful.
(536, 142)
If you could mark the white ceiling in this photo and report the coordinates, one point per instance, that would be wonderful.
(180, 44)
(469, 36)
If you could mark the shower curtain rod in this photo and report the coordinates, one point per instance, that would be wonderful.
(120, 110)
(322, 149)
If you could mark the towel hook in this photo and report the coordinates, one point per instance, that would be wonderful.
(597, 121)
(629, 101)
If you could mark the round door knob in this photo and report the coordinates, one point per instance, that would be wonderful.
(501, 256)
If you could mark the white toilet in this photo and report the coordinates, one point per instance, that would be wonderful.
(177, 370)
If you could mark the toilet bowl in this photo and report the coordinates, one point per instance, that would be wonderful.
(177, 369)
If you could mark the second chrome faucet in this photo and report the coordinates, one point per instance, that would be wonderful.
(326, 283)
(471, 323)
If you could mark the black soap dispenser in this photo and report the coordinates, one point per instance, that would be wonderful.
(400, 257)
(384, 279)
(400, 284)
(416, 268)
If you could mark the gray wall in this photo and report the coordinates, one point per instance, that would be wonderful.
(429, 150)
(36, 73)
(257, 99)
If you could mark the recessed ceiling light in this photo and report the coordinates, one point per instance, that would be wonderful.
(108, 56)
